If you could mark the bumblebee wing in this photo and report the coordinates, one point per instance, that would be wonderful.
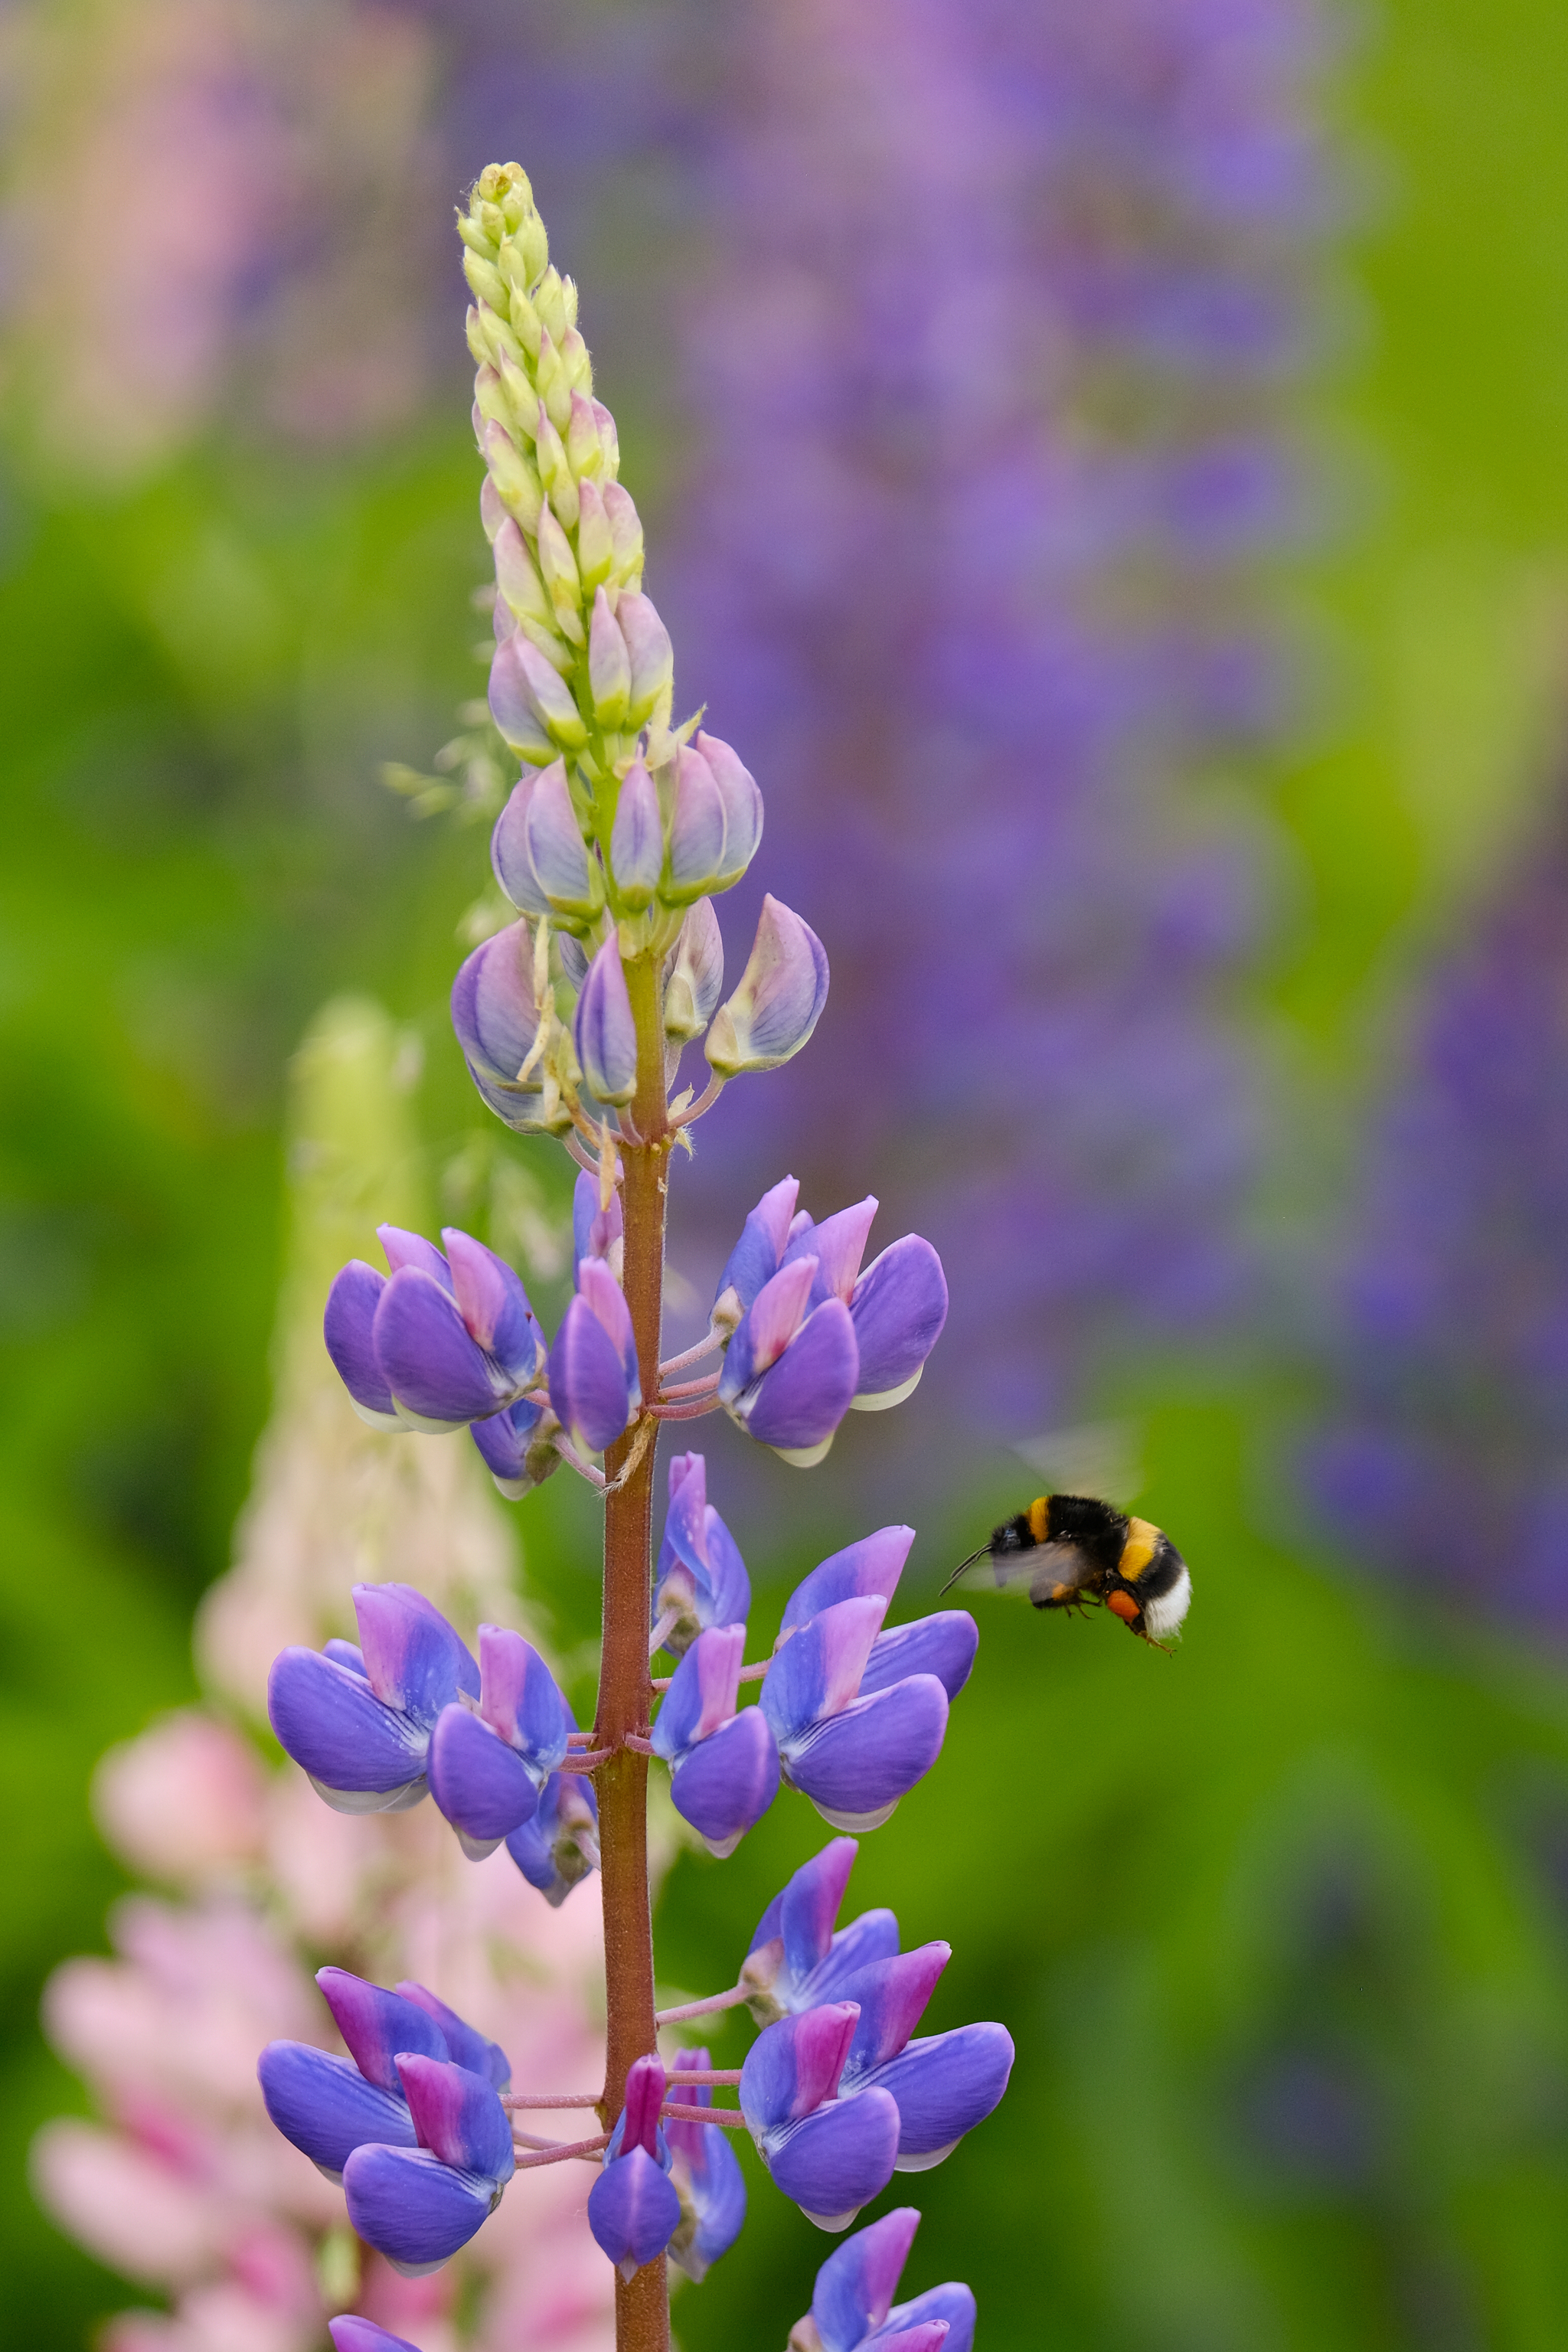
(1050, 1575)
(1090, 1457)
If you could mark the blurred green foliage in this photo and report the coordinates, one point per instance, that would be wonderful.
(1279, 1927)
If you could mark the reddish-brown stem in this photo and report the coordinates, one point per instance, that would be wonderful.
(642, 2302)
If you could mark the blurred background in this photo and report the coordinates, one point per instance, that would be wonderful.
(1107, 470)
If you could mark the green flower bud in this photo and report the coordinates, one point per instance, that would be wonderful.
(487, 281)
(585, 449)
(516, 482)
(596, 550)
(549, 301)
(559, 566)
(477, 238)
(560, 483)
(577, 367)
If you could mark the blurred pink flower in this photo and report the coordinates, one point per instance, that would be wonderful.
(184, 1800)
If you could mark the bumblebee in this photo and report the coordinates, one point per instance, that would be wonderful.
(1067, 1550)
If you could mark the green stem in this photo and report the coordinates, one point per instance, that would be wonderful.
(625, 1691)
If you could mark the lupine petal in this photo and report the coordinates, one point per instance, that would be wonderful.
(725, 1785)
(809, 1906)
(597, 1286)
(731, 1585)
(943, 2086)
(893, 1997)
(434, 1367)
(928, 2336)
(414, 1659)
(480, 1784)
(873, 1565)
(348, 2331)
(549, 698)
(376, 2025)
(459, 2116)
(555, 845)
(818, 1672)
(856, 1765)
(494, 1305)
(325, 2106)
(510, 858)
(403, 1248)
(696, 856)
(951, 2306)
(839, 2158)
(609, 670)
(634, 2211)
(792, 2066)
(696, 980)
(874, 1935)
(779, 1000)
(603, 1030)
(797, 1407)
(942, 1644)
(594, 1231)
(414, 2208)
(765, 1237)
(742, 805)
(346, 1326)
(636, 837)
(332, 1724)
(345, 1653)
(837, 1244)
(464, 2043)
(702, 1695)
(856, 2285)
(716, 2188)
(900, 1307)
(512, 708)
(588, 1381)
(770, 1323)
(651, 655)
(493, 1011)
(519, 1697)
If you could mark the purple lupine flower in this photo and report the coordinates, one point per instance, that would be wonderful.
(943, 2085)
(723, 1767)
(831, 2156)
(777, 1295)
(446, 1341)
(359, 1719)
(855, 1757)
(943, 1644)
(707, 2176)
(701, 1579)
(1442, 1461)
(634, 2207)
(797, 1960)
(695, 979)
(486, 1769)
(852, 2305)
(559, 1847)
(495, 1014)
(418, 2205)
(518, 1447)
(329, 2106)
(593, 1383)
(995, 743)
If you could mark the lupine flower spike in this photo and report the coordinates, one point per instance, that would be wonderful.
(624, 825)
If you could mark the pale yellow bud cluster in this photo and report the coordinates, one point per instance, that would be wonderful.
(549, 448)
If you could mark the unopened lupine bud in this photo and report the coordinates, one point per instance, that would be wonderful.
(604, 1031)
(585, 449)
(549, 301)
(493, 1010)
(695, 979)
(551, 697)
(695, 855)
(554, 381)
(651, 654)
(559, 567)
(515, 708)
(594, 1382)
(701, 1579)
(595, 548)
(596, 1230)
(522, 400)
(509, 859)
(637, 838)
(853, 2303)
(560, 482)
(516, 484)
(626, 533)
(609, 441)
(518, 580)
(492, 514)
(576, 366)
(779, 1000)
(609, 669)
(634, 2208)
(488, 285)
(742, 806)
(568, 876)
